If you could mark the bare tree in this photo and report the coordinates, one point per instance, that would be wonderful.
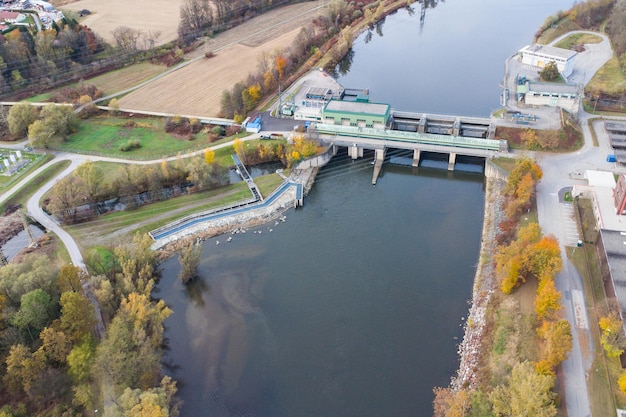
(195, 15)
(127, 38)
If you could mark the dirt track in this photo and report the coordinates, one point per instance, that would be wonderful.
(197, 88)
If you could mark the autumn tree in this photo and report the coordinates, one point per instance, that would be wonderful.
(130, 355)
(55, 345)
(612, 338)
(526, 394)
(548, 300)
(557, 344)
(77, 315)
(20, 117)
(66, 196)
(451, 403)
(209, 155)
(23, 368)
(159, 401)
(189, 256)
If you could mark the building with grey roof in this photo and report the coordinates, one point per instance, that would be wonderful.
(539, 55)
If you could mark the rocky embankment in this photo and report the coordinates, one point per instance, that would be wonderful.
(485, 283)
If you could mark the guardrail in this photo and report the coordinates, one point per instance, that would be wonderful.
(413, 137)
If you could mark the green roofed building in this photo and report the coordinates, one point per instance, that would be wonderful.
(356, 113)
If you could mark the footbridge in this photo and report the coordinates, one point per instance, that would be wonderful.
(439, 134)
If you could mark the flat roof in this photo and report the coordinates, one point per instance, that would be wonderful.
(614, 243)
(550, 51)
(357, 107)
(552, 87)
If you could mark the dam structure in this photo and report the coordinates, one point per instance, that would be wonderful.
(347, 118)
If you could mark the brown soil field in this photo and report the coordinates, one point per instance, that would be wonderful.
(197, 88)
(145, 15)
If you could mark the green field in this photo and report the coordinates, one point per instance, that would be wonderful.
(105, 136)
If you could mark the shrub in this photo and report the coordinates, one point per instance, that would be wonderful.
(130, 145)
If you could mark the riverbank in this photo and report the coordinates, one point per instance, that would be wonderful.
(242, 220)
(471, 349)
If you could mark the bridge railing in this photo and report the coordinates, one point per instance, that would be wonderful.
(414, 137)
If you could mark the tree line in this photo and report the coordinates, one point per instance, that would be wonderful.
(517, 374)
(328, 33)
(53, 363)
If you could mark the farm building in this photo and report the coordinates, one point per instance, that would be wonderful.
(539, 55)
(356, 113)
(565, 96)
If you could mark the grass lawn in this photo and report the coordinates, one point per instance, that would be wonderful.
(152, 216)
(506, 164)
(578, 39)
(104, 136)
(609, 79)
(25, 192)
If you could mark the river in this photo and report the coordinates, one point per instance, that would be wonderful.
(353, 305)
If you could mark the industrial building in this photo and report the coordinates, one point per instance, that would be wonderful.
(565, 96)
(356, 113)
(539, 55)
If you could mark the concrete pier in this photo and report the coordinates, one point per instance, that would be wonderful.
(451, 161)
(379, 158)
(355, 152)
(416, 157)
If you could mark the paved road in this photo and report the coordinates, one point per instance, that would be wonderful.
(556, 217)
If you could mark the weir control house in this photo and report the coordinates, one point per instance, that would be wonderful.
(356, 113)
(539, 55)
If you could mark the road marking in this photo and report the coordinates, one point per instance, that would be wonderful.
(579, 309)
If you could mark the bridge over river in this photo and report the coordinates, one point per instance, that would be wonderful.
(450, 135)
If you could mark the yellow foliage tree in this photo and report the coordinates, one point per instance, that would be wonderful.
(557, 341)
(546, 257)
(548, 301)
(239, 148)
(612, 338)
(209, 155)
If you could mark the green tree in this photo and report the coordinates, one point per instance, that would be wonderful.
(20, 117)
(527, 394)
(34, 272)
(35, 311)
(550, 72)
(81, 359)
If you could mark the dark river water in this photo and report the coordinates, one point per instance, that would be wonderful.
(353, 304)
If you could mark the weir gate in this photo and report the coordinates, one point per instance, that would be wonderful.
(452, 135)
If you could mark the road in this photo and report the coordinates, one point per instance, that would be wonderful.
(556, 217)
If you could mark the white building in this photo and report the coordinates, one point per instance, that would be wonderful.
(539, 55)
(565, 96)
